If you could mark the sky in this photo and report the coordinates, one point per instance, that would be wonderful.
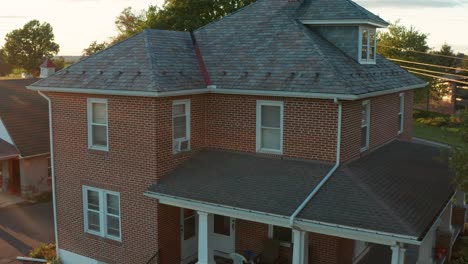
(77, 23)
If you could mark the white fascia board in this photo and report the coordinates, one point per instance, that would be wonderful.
(344, 22)
(278, 220)
(4, 133)
(213, 89)
(37, 155)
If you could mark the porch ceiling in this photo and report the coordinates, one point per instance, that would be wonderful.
(7, 150)
(264, 184)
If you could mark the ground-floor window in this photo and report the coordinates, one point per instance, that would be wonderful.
(102, 212)
(282, 234)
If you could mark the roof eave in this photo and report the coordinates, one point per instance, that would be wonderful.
(213, 89)
(378, 24)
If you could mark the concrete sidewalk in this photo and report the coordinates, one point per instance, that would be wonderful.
(7, 199)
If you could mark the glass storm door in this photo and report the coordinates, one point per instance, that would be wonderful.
(223, 235)
(189, 235)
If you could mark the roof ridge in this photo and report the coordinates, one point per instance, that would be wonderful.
(150, 56)
(388, 209)
(360, 8)
(307, 32)
(228, 15)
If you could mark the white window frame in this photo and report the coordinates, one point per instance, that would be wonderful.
(368, 109)
(282, 243)
(368, 60)
(92, 101)
(401, 113)
(185, 102)
(261, 103)
(102, 212)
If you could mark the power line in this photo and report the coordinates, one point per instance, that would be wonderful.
(424, 70)
(422, 52)
(438, 77)
(430, 65)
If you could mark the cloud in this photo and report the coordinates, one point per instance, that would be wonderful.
(414, 3)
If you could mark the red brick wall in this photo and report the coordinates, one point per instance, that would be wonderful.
(383, 123)
(250, 236)
(325, 249)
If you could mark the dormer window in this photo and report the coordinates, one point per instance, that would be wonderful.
(367, 44)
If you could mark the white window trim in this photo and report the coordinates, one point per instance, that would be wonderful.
(90, 124)
(187, 104)
(282, 243)
(368, 60)
(401, 112)
(367, 104)
(102, 212)
(261, 103)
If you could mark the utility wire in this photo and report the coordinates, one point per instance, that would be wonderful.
(437, 72)
(422, 52)
(438, 77)
(430, 65)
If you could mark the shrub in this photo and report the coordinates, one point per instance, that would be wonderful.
(44, 251)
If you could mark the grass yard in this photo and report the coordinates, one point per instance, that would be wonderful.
(444, 135)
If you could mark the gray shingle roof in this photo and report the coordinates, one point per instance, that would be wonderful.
(398, 189)
(244, 180)
(151, 61)
(25, 115)
(260, 47)
(336, 10)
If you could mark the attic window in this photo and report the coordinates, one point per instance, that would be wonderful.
(367, 45)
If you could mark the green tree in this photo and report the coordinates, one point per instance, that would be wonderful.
(59, 63)
(459, 155)
(5, 68)
(93, 48)
(28, 46)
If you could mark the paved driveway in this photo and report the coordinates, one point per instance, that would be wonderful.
(23, 227)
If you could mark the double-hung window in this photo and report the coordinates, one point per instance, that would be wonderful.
(270, 127)
(401, 113)
(365, 123)
(98, 124)
(181, 125)
(102, 212)
(367, 45)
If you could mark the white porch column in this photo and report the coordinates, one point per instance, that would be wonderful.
(205, 229)
(300, 247)
(460, 197)
(402, 255)
(395, 254)
(446, 223)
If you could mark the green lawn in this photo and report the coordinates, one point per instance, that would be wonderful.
(438, 134)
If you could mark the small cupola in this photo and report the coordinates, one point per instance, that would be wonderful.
(47, 68)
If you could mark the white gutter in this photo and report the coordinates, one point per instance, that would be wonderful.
(52, 164)
(213, 89)
(330, 173)
(343, 22)
(34, 156)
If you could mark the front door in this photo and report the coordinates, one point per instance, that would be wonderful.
(223, 235)
(14, 182)
(189, 235)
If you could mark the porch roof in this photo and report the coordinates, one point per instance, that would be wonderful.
(400, 188)
(7, 150)
(247, 181)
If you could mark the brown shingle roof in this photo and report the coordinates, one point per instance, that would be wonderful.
(25, 116)
(7, 150)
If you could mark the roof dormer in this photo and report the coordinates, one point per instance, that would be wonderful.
(345, 24)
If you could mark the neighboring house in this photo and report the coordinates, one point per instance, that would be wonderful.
(277, 122)
(24, 140)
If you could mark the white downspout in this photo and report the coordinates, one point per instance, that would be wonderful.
(330, 173)
(52, 164)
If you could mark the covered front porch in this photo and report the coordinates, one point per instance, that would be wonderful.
(223, 202)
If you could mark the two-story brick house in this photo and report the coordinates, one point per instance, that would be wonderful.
(277, 122)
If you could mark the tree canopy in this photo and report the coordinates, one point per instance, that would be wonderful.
(5, 68)
(27, 47)
(93, 48)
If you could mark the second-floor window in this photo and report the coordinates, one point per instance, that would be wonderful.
(401, 114)
(365, 123)
(367, 45)
(181, 125)
(98, 124)
(270, 126)
(102, 212)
